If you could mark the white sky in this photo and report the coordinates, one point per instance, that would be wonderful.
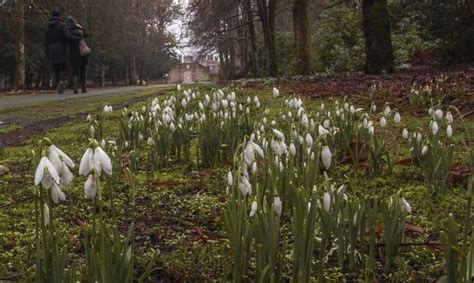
(178, 28)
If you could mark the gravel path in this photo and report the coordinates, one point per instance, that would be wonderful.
(28, 99)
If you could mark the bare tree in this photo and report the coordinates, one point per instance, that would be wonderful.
(267, 12)
(302, 33)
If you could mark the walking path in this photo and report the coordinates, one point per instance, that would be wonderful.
(28, 99)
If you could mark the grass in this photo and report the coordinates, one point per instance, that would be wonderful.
(180, 209)
(10, 129)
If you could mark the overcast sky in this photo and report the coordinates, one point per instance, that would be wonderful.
(178, 28)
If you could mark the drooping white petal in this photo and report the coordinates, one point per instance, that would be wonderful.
(56, 194)
(230, 179)
(327, 201)
(51, 170)
(277, 205)
(258, 149)
(249, 154)
(104, 160)
(279, 134)
(90, 187)
(66, 175)
(87, 163)
(253, 209)
(405, 133)
(406, 205)
(449, 131)
(397, 119)
(276, 92)
(245, 186)
(53, 156)
(326, 157)
(39, 172)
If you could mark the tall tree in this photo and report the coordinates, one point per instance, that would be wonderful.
(302, 33)
(19, 20)
(378, 42)
(267, 13)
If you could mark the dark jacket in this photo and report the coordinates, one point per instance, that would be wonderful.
(75, 57)
(57, 37)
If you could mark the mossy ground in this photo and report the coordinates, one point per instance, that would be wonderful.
(180, 209)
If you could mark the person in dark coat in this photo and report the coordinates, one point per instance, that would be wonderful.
(77, 61)
(57, 37)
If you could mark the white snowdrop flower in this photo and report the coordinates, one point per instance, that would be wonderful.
(125, 145)
(326, 124)
(244, 186)
(397, 119)
(449, 131)
(89, 117)
(47, 218)
(434, 127)
(56, 194)
(230, 179)
(178, 87)
(172, 127)
(292, 149)
(309, 140)
(253, 209)
(309, 206)
(371, 130)
(311, 156)
(305, 121)
(277, 205)
(207, 99)
(449, 117)
(438, 114)
(374, 107)
(224, 103)
(424, 150)
(150, 141)
(276, 92)
(278, 134)
(383, 122)
(254, 167)
(90, 187)
(102, 160)
(183, 103)
(322, 131)
(201, 106)
(326, 157)
(46, 174)
(300, 140)
(418, 137)
(262, 128)
(247, 110)
(405, 133)
(387, 111)
(352, 109)
(430, 111)
(327, 201)
(257, 104)
(406, 205)
(91, 130)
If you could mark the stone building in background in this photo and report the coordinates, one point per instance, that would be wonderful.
(201, 69)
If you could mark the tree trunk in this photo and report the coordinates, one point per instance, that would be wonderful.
(102, 75)
(378, 42)
(253, 37)
(267, 10)
(132, 69)
(302, 32)
(20, 45)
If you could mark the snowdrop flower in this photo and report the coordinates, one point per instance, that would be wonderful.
(172, 127)
(183, 103)
(62, 163)
(305, 121)
(56, 194)
(150, 141)
(424, 150)
(107, 109)
(449, 131)
(371, 130)
(322, 131)
(273, 123)
(449, 117)
(276, 92)
(254, 167)
(405, 133)
(326, 157)
(352, 109)
(230, 179)
(90, 187)
(387, 111)
(178, 87)
(327, 201)
(279, 134)
(418, 137)
(397, 119)
(292, 149)
(374, 107)
(95, 159)
(249, 152)
(46, 174)
(309, 140)
(406, 206)
(438, 114)
(383, 122)
(434, 127)
(253, 208)
(277, 205)
(244, 186)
